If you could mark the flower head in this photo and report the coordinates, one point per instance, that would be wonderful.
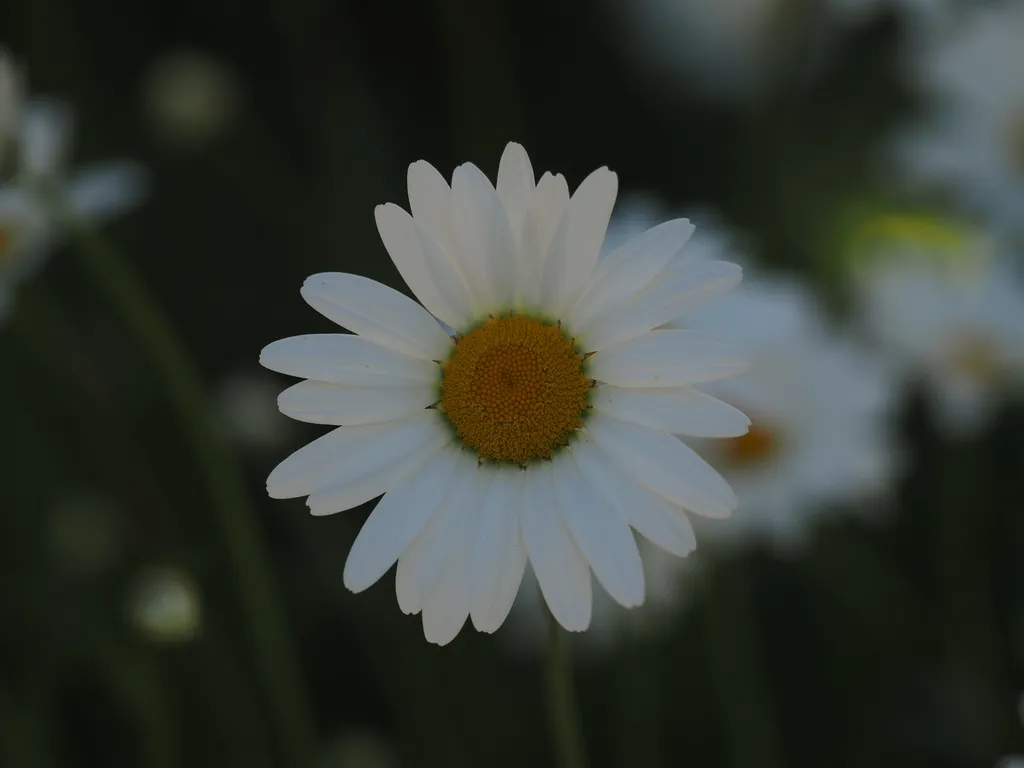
(972, 142)
(542, 430)
(29, 224)
(819, 402)
(956, 324)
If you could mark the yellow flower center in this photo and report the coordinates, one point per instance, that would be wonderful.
(755, 446)
(514, 389)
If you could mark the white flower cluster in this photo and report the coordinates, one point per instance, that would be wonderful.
(35, 138)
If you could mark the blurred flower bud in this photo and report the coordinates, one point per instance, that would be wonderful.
(164, 606)
(360, 749)
(247, 405)
(190, 98)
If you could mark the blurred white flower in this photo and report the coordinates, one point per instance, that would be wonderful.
(920, 15)
(190, 97)
(164, 605)
(819, 403)
(29, 225)
(955, 323)
(818, 400)
(247, 407)
(723, 49)
(10, 103)
(971, 145)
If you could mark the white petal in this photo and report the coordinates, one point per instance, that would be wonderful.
(424, 266)
(346, 359)
(317, 402)
(672, 294)
(664, 465)
(102, 191)
(398, 519)
(601, 534)
(378, 313)
(666, 359)
(47, 127)
(573, 252)
(499, 557)
(447, 605)
(299, 473)
(550, 200)
(515, 186)
(430, 200)
(560, 567)
(420, 565)
(378, 466)
(485, 238)
(679, 410)
(627, 269)
(653, 517)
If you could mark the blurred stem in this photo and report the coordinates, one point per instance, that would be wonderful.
(138, 683)
(966, 595)
(639, 704)
(739, 669)
(26, 739)
(562, 708)
(256, 590)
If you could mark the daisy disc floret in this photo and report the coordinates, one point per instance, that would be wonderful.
(529, 410)
(514, 389)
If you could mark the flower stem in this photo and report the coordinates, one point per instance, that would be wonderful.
(741, 680)
(562, 708)
(257, 593)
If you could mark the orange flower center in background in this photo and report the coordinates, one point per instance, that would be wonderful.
(975, 356)
(755, 446)
(514, 389)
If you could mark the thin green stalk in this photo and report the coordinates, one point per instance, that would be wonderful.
(740, 675)
(966, 595)
(136, 680)
(562, 708)
(257, 592)
(24, 727)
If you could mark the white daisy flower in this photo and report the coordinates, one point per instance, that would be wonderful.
(957, 324)
(973, 142)
(819, 403)
(542, 431)
(28, 225)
